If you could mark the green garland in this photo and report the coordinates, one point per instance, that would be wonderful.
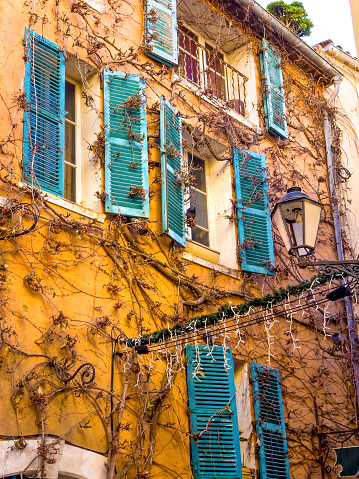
(227, 312)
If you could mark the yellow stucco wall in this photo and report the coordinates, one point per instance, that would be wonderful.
(77, 285)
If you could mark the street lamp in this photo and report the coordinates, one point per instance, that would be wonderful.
(297, 218)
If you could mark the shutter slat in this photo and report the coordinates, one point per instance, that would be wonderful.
(270, 427)
(44, 122)
(273, 93)
(171, 164)
(254, 223)
(217, 452)
(126, 157)
(161, 31)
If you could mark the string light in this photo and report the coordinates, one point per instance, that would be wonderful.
(252, 321)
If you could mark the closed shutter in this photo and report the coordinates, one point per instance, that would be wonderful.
(254, 222)
(161, 31)
(273, 93)
(270, 427)
(44, 118)
(212, 405)
(126, 156)
(171, 164)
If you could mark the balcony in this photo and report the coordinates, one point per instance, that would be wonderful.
(205, 68)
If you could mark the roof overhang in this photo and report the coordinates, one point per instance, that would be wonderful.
(263, 24)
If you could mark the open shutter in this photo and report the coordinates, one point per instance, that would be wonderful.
(44, 118)
(171, 163)
(126, 156)
(161, 31)
(213, 409)
(273, 93)
(254, 222)
(270, 427)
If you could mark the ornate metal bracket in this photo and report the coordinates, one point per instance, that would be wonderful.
(87, 375)
(347, 267)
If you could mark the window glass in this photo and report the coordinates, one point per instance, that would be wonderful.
(70, 142)
(198, 171)
(188, 54)
(206, 67)
(198, 200)
(215, 74)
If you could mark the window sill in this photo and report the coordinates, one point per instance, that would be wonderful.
(216, 103)
(68, 205)
(208, 258)
(202, 251)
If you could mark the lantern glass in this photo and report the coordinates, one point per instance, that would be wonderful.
(297, 218)
(312, 218)
(297, 226)
(279, 220)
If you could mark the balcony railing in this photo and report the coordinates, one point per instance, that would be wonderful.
(205, 67)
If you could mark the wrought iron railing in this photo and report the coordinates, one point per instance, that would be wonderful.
(205, 67)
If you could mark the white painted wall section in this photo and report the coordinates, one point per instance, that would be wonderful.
(69, 461)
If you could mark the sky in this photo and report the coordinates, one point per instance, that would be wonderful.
(332, 20)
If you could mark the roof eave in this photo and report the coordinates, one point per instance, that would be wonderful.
(265, 24)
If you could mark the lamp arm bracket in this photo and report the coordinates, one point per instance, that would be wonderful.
(347, 267)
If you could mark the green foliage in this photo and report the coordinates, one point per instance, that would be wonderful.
(230, 311)
(293, 15)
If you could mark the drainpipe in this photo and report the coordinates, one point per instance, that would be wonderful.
(338, 235)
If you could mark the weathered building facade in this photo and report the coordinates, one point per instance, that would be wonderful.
(153, 324)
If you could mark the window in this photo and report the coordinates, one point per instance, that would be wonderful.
(54, 148)
(70, 141)
(213, 412)
(198, 201)
(269, 420)
(196, 60)
(215, 409)
(209, 203)
(203, 65)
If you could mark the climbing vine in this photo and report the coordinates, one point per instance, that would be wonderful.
(95, 313)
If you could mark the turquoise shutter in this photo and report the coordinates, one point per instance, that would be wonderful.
(44, 118)
(254, 222)
(161, 31)
(270, 427)
(126, 156)
(217, 452)
(273, 96)
(171, 164)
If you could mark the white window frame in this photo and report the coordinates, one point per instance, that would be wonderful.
(187, 154)
(78, 141)
(202, 61)
(200, 88)
(205, 69)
